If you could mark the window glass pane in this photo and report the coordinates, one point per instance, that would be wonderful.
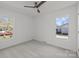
(62, 26)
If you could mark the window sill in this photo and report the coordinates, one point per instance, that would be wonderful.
(61, 37)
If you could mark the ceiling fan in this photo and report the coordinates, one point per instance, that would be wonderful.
(36, 5)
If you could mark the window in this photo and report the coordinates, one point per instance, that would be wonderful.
(62, 26)
(6, 28)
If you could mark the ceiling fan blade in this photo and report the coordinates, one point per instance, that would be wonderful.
(38, 10)
(40, 3)
(30, 6)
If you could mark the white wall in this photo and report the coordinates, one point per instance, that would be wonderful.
(46, 28)
(22, 28)
(78, 28)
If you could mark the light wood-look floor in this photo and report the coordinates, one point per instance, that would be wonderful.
(34, 49)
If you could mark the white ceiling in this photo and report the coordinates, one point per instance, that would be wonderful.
(45, 8)
(18, 6)
(53, 6)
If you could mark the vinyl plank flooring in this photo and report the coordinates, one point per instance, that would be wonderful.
(34, 49)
